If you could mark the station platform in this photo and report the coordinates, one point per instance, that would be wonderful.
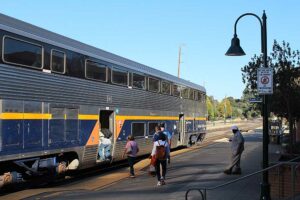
(196, 168)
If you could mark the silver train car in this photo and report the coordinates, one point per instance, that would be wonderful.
(55, 92)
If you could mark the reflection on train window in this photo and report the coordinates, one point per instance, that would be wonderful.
(119, 77)
(138, 81)
(199, 96)
(195, 95)
(58, 61)
(185, 93)
(153, 84)
(203, 98)
(165, 88)
(191, 94)
(95, 71)
(138, 129)
(176, 90)
(151, 127)
(22, 53)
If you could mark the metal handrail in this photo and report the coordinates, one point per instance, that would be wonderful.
(290, 162)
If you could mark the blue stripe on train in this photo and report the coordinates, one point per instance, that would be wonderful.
(20, 136)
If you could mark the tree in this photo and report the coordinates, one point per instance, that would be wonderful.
(285, 63)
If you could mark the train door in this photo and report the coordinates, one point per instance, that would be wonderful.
(33, 128)
(107, 119)
(181, 129)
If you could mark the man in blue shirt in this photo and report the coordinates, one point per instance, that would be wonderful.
(168, 135)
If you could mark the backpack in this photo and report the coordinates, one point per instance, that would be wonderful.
(161, 151)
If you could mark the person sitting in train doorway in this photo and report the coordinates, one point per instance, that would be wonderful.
(131, 150)
(104, 144)
(161, 151)
(168, 135)
(237, 148)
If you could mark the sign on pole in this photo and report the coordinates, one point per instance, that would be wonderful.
(255, 100)
(265, 80)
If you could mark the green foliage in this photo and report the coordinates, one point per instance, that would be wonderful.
(285, 63)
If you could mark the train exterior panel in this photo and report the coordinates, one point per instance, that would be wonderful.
(55, 93)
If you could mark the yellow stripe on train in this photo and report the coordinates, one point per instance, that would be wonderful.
(127, 117)
(21, 116)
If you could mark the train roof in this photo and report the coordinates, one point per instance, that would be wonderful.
(23, 28)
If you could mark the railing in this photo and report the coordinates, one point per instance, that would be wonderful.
(293, 165)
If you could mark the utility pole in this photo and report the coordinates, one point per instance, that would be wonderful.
(179, 61)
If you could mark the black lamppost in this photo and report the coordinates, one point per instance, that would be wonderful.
(236, 50)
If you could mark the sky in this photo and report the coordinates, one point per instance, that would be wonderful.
(151, 31)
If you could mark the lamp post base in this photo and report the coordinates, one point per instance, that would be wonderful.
(265, 191)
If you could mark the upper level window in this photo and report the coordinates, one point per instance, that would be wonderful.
(200, 96)
(195, 95)
(138, 129)
(176, 90)
(95, 71)
(191, 94)
(119, 77)
(21, 52)
(153, 84)
(185, 93)
(58, 61)
(138, 81)
(165, 87)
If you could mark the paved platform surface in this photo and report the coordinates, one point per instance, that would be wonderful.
(199, 168)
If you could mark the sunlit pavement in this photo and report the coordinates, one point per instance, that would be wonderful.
(199, 168)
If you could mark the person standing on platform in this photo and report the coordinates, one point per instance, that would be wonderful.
(131, 149)
(169, 139)
(161, 151)
(237, 148)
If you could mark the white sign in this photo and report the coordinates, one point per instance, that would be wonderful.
(265, 80)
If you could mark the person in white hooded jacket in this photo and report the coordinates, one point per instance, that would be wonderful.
(237, 148)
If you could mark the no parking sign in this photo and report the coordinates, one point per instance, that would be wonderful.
(265, 80)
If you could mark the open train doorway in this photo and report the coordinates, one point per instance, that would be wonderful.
(181, 129)
(106, 141)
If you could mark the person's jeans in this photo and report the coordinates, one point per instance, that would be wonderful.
(131, 163)
(163, 164)
(104, 151)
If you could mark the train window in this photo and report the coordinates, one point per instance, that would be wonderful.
(58, 61)
(95, 71)
(151, 127)
(195, 95)
(203, 98)
(185, 92)
(138, 129)
(165, 87)
(191, 94)
(138, 81)
(176, 90)
(153, 84)
(22, 53)
(199, 96)
(119, 77)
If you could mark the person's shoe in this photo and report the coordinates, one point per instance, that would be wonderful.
(132, 176)
(158, 183)
(227, 171)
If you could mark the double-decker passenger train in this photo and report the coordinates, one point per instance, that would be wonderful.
(55, 92)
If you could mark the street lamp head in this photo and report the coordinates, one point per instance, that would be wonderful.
(235, 49)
